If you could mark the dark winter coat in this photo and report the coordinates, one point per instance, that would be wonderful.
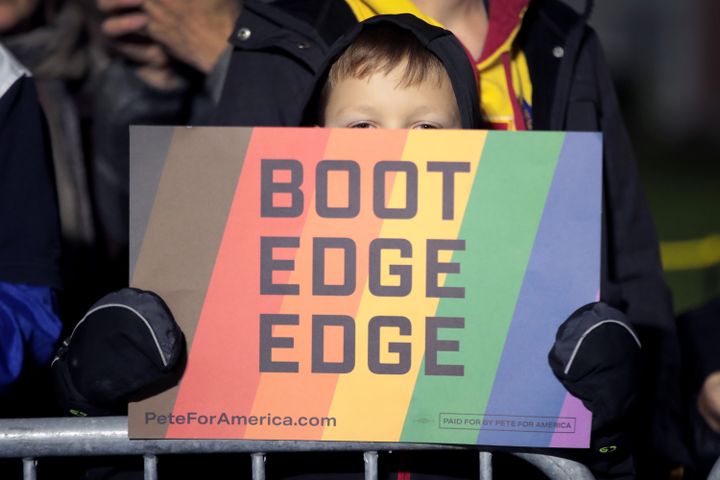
(279, 48)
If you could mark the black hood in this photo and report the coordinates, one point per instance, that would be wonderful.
(439, 41)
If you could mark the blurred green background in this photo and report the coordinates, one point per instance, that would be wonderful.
(664, 58)
(683, 188)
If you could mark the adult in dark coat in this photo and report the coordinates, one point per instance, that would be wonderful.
(29, 243)
(278, 51)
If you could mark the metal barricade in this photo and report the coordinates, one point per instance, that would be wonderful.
(35, 438)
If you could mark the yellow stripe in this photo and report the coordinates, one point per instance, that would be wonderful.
(385, 398)
(691, 254)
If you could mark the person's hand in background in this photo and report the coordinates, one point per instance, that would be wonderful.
(193, 31)
(125, 26)
(709, 401)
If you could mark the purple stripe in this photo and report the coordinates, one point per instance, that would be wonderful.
(572, 407)
(565, 256)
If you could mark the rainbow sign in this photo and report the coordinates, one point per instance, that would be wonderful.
(366, 285)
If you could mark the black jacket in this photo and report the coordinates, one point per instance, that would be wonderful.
(29, 219)
(279, 50)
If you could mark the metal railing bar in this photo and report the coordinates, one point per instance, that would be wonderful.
(150, 462)
(31, 438)
(29, 469)
(371, 465)
(258, 466)
(486, 466)
(92, 436)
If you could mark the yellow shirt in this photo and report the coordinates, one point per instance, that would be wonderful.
(496, 105)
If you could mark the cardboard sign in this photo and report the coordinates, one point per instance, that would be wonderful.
(367, 285)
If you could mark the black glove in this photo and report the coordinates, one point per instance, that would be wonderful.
(596, 356)
(126, 347)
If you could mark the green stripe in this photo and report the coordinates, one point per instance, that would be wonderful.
(499, 227)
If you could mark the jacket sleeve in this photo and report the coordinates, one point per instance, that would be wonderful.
(632, 276)
(29, 329)
(271, 70)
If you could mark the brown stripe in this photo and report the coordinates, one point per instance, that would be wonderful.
(148, 150)
(184, 233)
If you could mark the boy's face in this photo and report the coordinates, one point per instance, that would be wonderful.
(379, 101)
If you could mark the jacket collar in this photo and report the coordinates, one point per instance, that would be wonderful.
(504, 19)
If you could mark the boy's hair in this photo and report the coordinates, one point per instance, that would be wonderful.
(379, 48)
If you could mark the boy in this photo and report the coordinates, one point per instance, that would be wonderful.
(359, 86)
(396, 71)
(392, 71)
(388, 79)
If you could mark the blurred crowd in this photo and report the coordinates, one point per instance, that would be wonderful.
(99, 66)
(95, 68)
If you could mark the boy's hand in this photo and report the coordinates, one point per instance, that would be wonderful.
(193, 31)
(709, 401)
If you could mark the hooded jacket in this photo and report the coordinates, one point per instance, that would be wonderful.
(443, 44)
(279, 50)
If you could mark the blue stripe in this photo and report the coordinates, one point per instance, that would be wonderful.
(563, 273)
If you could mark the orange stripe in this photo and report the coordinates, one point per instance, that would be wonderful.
(312, 394)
